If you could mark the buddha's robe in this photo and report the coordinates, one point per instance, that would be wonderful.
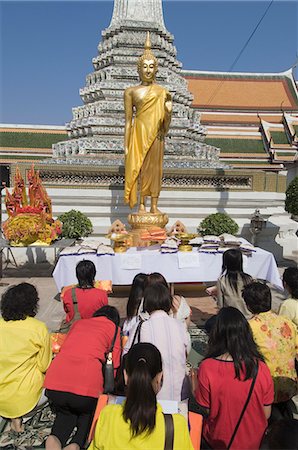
(144, 160)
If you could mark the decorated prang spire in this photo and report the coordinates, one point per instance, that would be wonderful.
(149, 11)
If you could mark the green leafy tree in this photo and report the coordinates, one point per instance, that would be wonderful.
(291, 204)
(75, 225)
(217, 224)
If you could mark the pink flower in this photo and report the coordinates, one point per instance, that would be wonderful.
(286, 331)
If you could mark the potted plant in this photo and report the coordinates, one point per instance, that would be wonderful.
(217, 224)
(291, 204)
(75, 225)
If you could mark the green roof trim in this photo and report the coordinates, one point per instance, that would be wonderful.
(241, 161)
(296, 129)
(24, 158)
(279, 137)
(228, 145)
(30, 140)
(281, 154)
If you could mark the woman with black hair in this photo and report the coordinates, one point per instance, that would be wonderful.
(25, 350)
(88, 298)
(170, 337)
(134, 301)
(179, 308)
(234, 385)
(289, 308)
(74, 380)
(232, 281)
(139, 423)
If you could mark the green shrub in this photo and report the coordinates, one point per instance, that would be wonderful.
(217, 224)
(291, 204)
(75, 225)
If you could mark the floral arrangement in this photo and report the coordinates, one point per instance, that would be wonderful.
(33, 222)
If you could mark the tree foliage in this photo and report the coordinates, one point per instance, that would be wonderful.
(217, 224)
(75, 225)
(291, 204)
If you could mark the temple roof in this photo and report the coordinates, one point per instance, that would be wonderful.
(243, 91)
(28, 142)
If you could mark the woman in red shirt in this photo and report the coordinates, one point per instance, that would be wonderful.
(231, 370)
(74, 379)
(89, 298)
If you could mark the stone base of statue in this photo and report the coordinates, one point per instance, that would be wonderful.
(144, 221)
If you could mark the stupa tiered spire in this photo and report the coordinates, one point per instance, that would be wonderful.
(97, 127)
(138, 11)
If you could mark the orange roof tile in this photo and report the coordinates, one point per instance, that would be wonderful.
(242, 91)
(33, 130)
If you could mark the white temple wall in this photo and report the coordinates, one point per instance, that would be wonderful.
(103, 206)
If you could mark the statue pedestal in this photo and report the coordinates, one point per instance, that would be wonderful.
(144, 221)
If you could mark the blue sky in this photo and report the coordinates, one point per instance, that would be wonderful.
(47, 47)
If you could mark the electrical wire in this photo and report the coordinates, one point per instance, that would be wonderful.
(241, 51)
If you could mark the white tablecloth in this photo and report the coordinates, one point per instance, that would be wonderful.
(260, 265)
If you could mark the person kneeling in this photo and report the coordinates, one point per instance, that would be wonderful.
(74, 380)
(139, 422)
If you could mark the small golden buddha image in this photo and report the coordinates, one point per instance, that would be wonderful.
(148, 111)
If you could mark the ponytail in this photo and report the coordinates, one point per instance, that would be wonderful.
(142, 363)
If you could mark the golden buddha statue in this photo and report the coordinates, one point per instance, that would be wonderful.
(148, 110)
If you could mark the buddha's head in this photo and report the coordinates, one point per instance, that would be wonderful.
(147, 64)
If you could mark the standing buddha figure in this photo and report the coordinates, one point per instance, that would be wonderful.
(148, 111)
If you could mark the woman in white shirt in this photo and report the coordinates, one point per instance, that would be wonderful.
(168, 334)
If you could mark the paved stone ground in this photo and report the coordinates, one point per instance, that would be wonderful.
(51, 311)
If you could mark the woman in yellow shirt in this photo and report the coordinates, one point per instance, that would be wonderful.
(139, 423)
(277, 340)
(25, 350)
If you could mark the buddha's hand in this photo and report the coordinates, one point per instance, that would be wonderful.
(126, 151)
(168, 103)
(169, 106)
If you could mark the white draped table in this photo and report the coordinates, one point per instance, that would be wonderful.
(122, 267)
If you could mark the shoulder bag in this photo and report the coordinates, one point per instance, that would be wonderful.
(244, 408)
(108, 368)
(169, 432)
(205, 444)
(137, 335)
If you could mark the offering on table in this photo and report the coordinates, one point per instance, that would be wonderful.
(170, 245)
(153, 234)
(122, 241)
(184, 239)
(229, 240)
(211, 238)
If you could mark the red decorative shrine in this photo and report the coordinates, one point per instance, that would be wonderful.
(29, 222)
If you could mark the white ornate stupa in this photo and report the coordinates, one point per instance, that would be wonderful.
(97, 127)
